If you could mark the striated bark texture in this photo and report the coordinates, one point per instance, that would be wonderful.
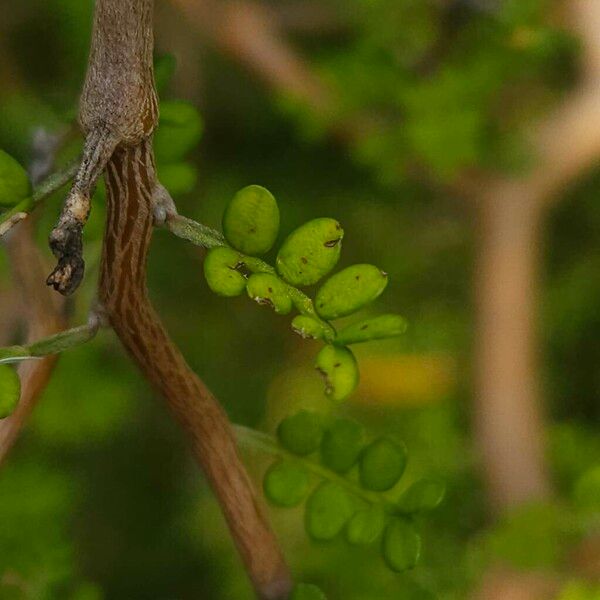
(118, 113)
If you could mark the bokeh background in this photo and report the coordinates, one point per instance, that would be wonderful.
(458, 142)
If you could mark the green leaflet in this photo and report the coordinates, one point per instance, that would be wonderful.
(179, 131)
(307, 591)
(422, 495)
(14, 182)
(401, 545)
(327, 511)
(338, 365)
(341, 445)
(349, 290)
(310, 251)
(301, 433)
(269, 290)
(376, 328)
(307, 327)
(179, 178)
(286, 484)
(251, 220)
(366, 526)
(220, 270)
(382, 463)
(10, 390)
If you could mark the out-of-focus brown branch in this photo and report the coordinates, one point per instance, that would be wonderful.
(42, 312)
(248, 32)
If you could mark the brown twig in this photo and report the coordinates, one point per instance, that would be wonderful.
(118, 113)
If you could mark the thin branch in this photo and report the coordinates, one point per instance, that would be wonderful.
(54, 344)
(46, 188)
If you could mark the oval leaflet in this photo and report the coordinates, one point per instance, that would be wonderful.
(301, 433)
(328, 509)
(310, 251)
(377, 328)
(366, 526)
(401, 545)
(349, 290)
(341, 445)
(338, 365)
(422, 495)
(286, 484)
(269, 290)
(220, 271)
(251, 220)
(382, 463)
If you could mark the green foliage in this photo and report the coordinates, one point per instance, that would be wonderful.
(179, 131)
(309, 328)
(307, 591)
(179, 178)
(221, 272)
(422, 495)
(349, 290)
(401, 545)
(382, 463)
(14, 182)
(251, 224)
(286, 484)
(366, 525)
(342, 444)
(327, 511)
(339, 503)
(251, 220)
(10, 390)
(340, 370)
(301, 433)
(268, 289)
(377, 328)
(310, 252)
(448, 91)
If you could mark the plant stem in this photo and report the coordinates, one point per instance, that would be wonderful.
(65, 340)
(50, 185)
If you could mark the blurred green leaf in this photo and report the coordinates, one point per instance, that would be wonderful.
(341, 446)
(382, 463)
(366, 526)
(14, 181)
(286, 484)
(401, 545)
(301, 433)
(327, 511)
(179, 131)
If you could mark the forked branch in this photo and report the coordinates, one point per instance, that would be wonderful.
(118, 114)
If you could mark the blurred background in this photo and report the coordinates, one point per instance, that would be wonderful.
(458, 142)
